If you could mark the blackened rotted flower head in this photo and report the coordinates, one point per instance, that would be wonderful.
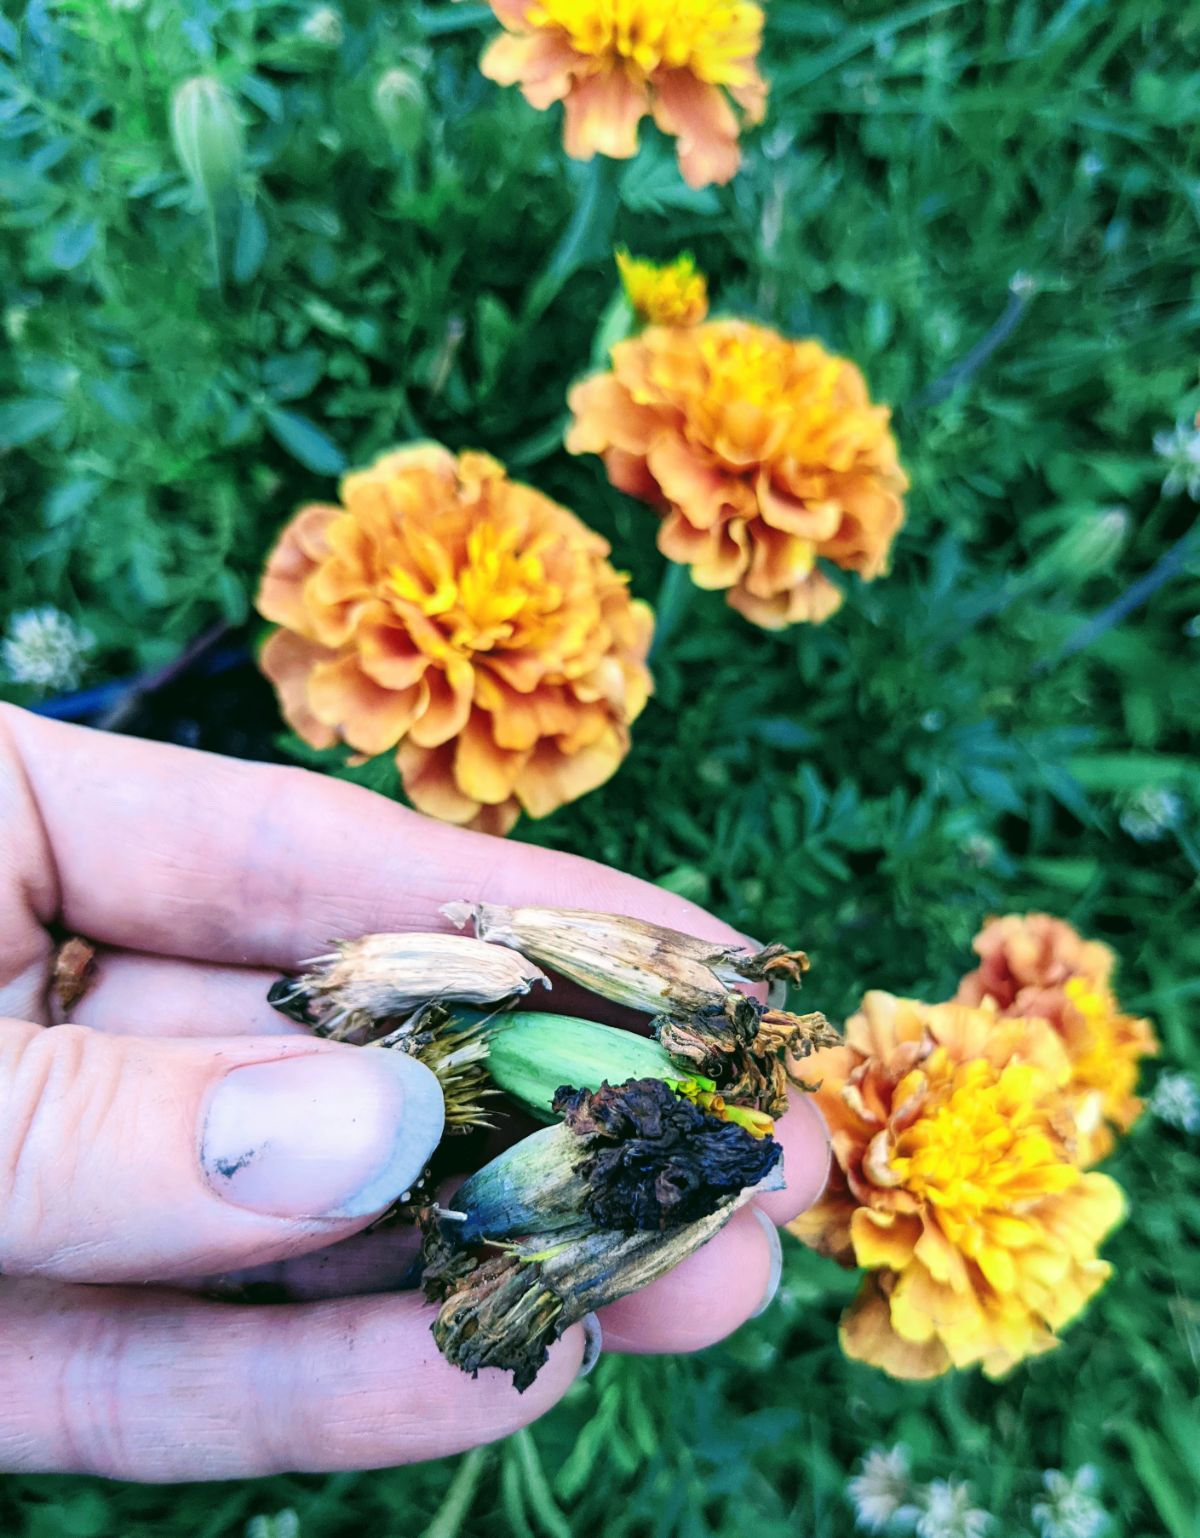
(659, 1161)
(633, 1181)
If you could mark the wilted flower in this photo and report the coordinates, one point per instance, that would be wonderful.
(883, 1494)
(949, 1513)
(1176, 1101)
(632, 1181)
(1151, 812)
(389, 977)
(610, 62)
(1181, 449)
(1040, 967)
(1070, 1508)
(688, 985)
(673, 294)
(761, 455)
(955, 1184)
(466, 621)
(324, 27)
(45, 649)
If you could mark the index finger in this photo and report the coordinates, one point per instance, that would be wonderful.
(181, 853)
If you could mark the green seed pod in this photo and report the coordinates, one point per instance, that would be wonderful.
(400, 105)
(207, 134)
(531, 1056)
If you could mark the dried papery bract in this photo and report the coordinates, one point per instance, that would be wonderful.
(386, 977)
(643, 966)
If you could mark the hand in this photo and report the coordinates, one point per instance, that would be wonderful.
(180, 1128)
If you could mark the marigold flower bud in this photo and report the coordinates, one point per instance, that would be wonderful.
(399, 99)
(207, 134)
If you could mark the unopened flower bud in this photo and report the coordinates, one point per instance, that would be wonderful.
(388, 977)
(1093, 544)
(643, 966)
(399, 99)
(207, 134)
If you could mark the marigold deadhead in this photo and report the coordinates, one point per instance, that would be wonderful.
(611, 62)
(760, 454)
(956, 1185)
(466, 621)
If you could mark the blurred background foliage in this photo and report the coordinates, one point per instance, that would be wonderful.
(993, 209)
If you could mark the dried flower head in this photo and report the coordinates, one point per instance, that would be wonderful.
(1037, 966)
(610, 62)
(386, 978)
(882, 1492)
(673, 294)
(643, 966)
(956, 1185)
(633, 1181)
(45, 649)
(466, 621)
(760, 454)
(688, 985)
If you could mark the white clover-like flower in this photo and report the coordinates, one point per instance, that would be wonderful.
(1176, 1101)
(324, 27)
(883, 1494)
(283, 1524)
(1180, 447)
(44, 648)
(1070, 1508)
(1151, 812)
(949, 1513)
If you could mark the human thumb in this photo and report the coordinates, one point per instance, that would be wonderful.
(127, 1158)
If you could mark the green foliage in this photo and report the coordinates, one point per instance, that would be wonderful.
(954, 742)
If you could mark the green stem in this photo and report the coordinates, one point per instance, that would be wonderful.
(591, 228)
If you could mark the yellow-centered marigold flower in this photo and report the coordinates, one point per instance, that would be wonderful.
(760, 454)
(466, 621)
(674, 294)
(1035, 965)
(610, 62)
(956, 1186)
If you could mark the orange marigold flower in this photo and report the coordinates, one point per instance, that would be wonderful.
(466, 621)
(674, 294)
(1035, 965)
(610, 62)
(955, 1184)
(761, 454)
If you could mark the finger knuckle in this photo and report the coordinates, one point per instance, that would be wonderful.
(58, 1088)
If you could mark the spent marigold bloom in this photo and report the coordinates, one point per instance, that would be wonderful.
(673, 294)
(1038, 966)
(610, 62)
(955, 1184)
(760, 454)
(464, 620)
